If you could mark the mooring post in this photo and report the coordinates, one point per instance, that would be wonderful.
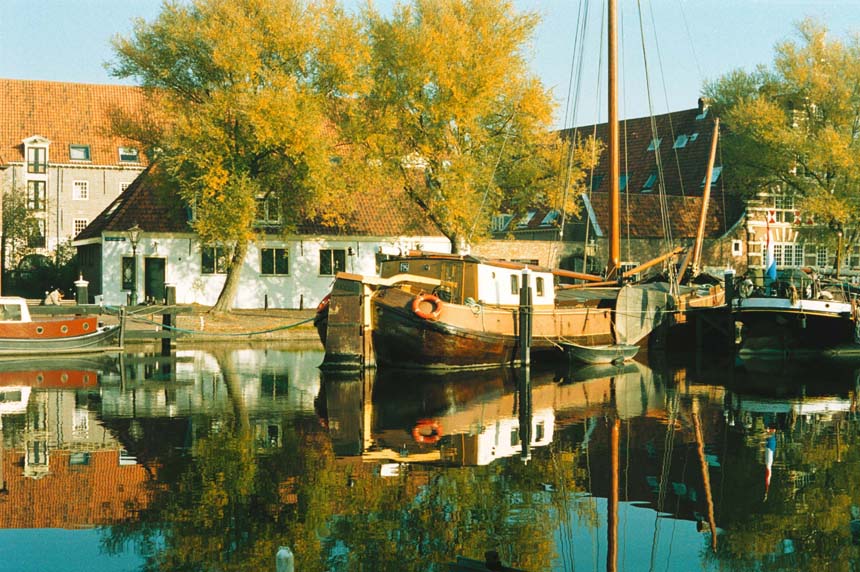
(525, 315)
(525, 413)
(82, 295)
(167, 321)
(729, 282)
(284, 560)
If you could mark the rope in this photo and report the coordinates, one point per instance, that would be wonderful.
(219, 334)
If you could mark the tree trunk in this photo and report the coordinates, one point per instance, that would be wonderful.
(231, 284)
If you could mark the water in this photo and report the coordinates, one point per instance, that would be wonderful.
(214, 458)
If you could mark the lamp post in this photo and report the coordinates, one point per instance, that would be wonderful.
(134, 237)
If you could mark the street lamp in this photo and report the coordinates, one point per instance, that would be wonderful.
(134, 237)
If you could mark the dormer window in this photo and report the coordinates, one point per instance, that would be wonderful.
(680, 142)
(128, 155)
(715, 174)
(649, 184)
(550, 218)
(37, 159)
(79, 152)
(655, 144)
(268, 210)
(524, 222)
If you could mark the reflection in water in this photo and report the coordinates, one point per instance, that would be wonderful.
(214, 459)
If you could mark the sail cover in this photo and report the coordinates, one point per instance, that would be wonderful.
(639, 309)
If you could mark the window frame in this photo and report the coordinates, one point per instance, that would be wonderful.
(273, 252)
(80, 190)
(332, 254)
(126, 154)
(219, 260)
(34, 154)
(75, 222)
(33, 196)
(85, 149)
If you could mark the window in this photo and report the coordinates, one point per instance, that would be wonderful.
(622, 182)
(123, 186)
(274, 261)
(595, 182)
(783, 202)
(655, 144)
(128, 155)
(515, 284)
(527, 218)
(80, 225)
(821, 256)
(332, 261)
(737, 248)
(715, 175)
(539, 285)
(693, 137)
(36, 195)
(37, 238)
(37, 159)
(649, 184)
(702, 115)
(214, 260)
(127, 273)
(80, 190)
(501, 222)
(550, 218)
(854, 260)
(680, 142)
(79, 152)
(785, 254)
(268, 210)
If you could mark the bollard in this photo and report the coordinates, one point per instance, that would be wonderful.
(168, 319)
(82, 295)
(525, 315)
(284, 561)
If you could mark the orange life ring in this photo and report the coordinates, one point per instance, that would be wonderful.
(427, 431)
(433, 300)
(324, 304)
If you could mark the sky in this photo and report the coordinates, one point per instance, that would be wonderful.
(686, 43)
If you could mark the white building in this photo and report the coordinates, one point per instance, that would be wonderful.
(280, 271)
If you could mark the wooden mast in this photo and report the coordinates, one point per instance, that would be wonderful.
(706, 197)
(614, 261)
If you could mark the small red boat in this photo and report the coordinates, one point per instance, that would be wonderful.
(22, 336)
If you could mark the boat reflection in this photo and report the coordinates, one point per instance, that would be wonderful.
(474, 417)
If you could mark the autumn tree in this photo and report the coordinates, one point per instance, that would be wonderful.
(794, 127)
(244, 90)
(454, 115)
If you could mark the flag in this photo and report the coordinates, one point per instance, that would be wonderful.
(770, 261)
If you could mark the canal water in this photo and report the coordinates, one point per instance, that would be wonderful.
(213, 459)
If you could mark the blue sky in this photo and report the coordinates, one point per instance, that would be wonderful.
(68, 40)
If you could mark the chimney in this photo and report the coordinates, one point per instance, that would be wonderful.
(703, 105)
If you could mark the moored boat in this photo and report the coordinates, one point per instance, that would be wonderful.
(609, 353)
(20, 335)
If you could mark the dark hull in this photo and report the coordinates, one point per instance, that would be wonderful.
(101, 340)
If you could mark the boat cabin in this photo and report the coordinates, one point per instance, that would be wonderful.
(462, 278)
(14, 309)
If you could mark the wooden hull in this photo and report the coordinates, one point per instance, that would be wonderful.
(473, 336)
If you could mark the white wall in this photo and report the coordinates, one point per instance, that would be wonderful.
(303, 287)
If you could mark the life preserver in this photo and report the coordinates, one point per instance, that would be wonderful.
(434, 302)
(427, 431)
(323, 305)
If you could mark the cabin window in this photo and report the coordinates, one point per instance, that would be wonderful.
(79, 152)
(37, 159)
(539, 285)
(214, 260)
(36, 195)
(332, 261)
(515, 284)
(10, 312)
(274, 261)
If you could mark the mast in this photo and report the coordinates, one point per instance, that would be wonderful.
(614, 261)
(706, 197)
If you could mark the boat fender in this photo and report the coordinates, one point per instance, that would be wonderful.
(323, 305)
(435, 304)
(427, 431)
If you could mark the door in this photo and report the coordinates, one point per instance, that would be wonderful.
(153, 278)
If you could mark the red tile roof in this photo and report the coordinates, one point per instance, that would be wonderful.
(66, 114)
(151, 203)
